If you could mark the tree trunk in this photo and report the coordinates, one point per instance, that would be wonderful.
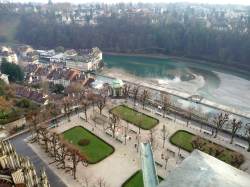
(216, 132)
(86, 117)
(232, 138)
(113, 132)
(74, 166)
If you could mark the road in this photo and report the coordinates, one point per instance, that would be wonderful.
(23, 149)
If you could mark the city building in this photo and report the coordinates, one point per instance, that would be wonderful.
(8, 54)
(87, 61)
(5, 78)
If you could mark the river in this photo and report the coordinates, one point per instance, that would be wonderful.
(224, 88)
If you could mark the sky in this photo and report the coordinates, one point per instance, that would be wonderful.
(243, 2)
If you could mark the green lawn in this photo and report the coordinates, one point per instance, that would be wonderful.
(136, 180)
(137, 118)
(183, 139)
(97, 149)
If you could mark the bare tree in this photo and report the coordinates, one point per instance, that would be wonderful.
(126, 90)
(247, 133)
(101, 103)
(166, 104)
(164, 134)
(236, 125)
(53, 139)
(75, 157)
(219, 121)
(135, 94)
(153, 139)
(113, 123)
(144, 97)
(189, 114)
(92, 97)
(62, 151)
(66, 107)
(53, 110)
(33, 120)
(85, 104)
(44, 133)
(126, 133)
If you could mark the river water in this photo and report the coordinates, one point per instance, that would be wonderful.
(229, 88)
(225, 87)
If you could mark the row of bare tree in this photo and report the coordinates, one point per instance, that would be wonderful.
(219, 120)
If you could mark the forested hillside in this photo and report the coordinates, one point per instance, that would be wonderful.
(137, 34)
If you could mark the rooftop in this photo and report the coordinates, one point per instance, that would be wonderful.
(203, 170)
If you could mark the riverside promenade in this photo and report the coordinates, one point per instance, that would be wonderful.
(182, 95)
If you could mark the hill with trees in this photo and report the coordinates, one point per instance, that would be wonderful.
(138, 34)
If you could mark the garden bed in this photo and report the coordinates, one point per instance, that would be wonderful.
(136, 180)
(134, 117)
(95, 151)
(185, 140)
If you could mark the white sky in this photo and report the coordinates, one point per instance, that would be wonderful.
(244, 2)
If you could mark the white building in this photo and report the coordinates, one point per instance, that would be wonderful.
(8, 54)
(4, 77)
(90, 62)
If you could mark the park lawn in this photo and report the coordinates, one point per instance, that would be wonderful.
(183, 139)
(136, 118)
(136, 180)
(95, 151)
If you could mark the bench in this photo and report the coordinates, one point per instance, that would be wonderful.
(207, 132)
(108, 133)
(240, 145)
(158, 164)
(171, 152)
(119, 140)
(158, 113)
(131, 130)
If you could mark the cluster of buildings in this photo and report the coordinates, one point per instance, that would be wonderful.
(36, 73)
(219, 17)
(32, 94)
(83, 60)
(50, 67)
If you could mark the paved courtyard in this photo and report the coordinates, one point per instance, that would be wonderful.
(119, 166)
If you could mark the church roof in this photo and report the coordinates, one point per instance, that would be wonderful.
(202, 170)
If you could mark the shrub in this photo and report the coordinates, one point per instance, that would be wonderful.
(24, 103)
(83, 142)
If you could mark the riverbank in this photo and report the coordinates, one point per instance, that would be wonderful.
(244, 73)
(157, 87)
